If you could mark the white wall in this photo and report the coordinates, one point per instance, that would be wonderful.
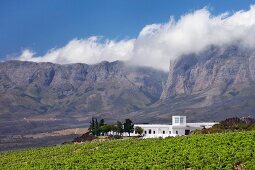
(170, 130)
(176, 126)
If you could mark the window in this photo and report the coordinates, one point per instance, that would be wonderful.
(149, 131)
(164, 132)
(187, 132)
(145, 132)
(177, 120)
(154, 132)
(177, 132)
(169, 132)
(181, 120)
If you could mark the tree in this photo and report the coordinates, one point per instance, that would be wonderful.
(105, 129)
(97, 128)
(139, 130)
(120, 129)
(113, 128)
(92, 126)
(128, 126)
(101, 122)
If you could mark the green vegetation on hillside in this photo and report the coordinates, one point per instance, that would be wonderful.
(233, 124)
(214, 151)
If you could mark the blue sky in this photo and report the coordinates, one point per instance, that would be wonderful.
(45, 24)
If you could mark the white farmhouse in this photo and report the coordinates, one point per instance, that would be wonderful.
(179, 127)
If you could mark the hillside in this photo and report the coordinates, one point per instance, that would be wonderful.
(216, 151)
(44, 97)
(29, 88)
(60, 94)
(210, 85)
(207, 86)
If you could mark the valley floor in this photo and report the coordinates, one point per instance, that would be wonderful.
(214, 151)
(17, 142)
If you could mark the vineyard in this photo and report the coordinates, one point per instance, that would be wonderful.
(214, 151)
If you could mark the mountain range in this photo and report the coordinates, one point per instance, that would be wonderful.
(211, 85)
(39, 97)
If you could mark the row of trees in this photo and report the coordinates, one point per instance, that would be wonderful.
(99, 128)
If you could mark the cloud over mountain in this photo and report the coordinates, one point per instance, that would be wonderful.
(157, 44)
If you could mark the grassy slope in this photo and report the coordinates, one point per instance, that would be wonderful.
(216, 151)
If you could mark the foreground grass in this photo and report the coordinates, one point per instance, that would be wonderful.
(216, 151)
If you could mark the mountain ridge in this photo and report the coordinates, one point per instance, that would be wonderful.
(211, 85)
(74, 92)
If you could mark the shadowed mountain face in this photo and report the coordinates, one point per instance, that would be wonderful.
(214, 72)
(45, 97)
(46, 91)
(212, 85)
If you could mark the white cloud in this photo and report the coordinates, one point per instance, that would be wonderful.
(27, 55)
(157, 44)
(90, 51)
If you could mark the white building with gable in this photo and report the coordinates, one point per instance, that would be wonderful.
(179, 127)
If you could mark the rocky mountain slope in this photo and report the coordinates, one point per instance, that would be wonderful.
(65, 94)
(215, 71)
(211, 85)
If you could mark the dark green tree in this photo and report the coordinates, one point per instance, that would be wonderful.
(120, 129)
(139, 130)
(101, 122)
(97, 128)
(128, 126)
(92, 126)
(114, 128)
(105, 129)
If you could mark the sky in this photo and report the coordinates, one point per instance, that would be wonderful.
(144, 32)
